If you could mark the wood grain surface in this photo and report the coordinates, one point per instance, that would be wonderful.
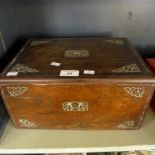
(116, 96)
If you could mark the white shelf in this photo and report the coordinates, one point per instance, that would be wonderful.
(62, 141)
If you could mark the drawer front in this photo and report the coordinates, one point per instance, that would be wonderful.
(77, 105)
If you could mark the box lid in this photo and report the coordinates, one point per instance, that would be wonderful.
(78, 58)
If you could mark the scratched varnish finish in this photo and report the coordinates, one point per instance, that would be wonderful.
(77, 83)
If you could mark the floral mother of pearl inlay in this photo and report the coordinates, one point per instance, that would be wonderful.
(135, 91)
(127, 69)
(75, 106)
(23, 69)
(27, 123)
(16, 91)
(126, 125)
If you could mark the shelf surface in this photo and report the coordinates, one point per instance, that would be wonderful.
(62, 141)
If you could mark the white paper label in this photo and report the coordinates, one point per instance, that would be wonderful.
(69, 73)
(90, 72)
(55, 64)
(12, 74)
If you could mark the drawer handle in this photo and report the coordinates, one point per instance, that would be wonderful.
(75, 106)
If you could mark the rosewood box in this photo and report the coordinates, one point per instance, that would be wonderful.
(88, 83)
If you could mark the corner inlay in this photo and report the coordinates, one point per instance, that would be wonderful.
(135, 91)
(26, 123)
(126, 125)
(127, 69)
(23, 69)
(16, 91)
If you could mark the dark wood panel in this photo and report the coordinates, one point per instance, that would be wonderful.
(112, 57)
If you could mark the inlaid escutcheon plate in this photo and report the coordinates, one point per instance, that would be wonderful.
(75, 106)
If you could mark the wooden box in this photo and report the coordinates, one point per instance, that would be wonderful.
(89, 83)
